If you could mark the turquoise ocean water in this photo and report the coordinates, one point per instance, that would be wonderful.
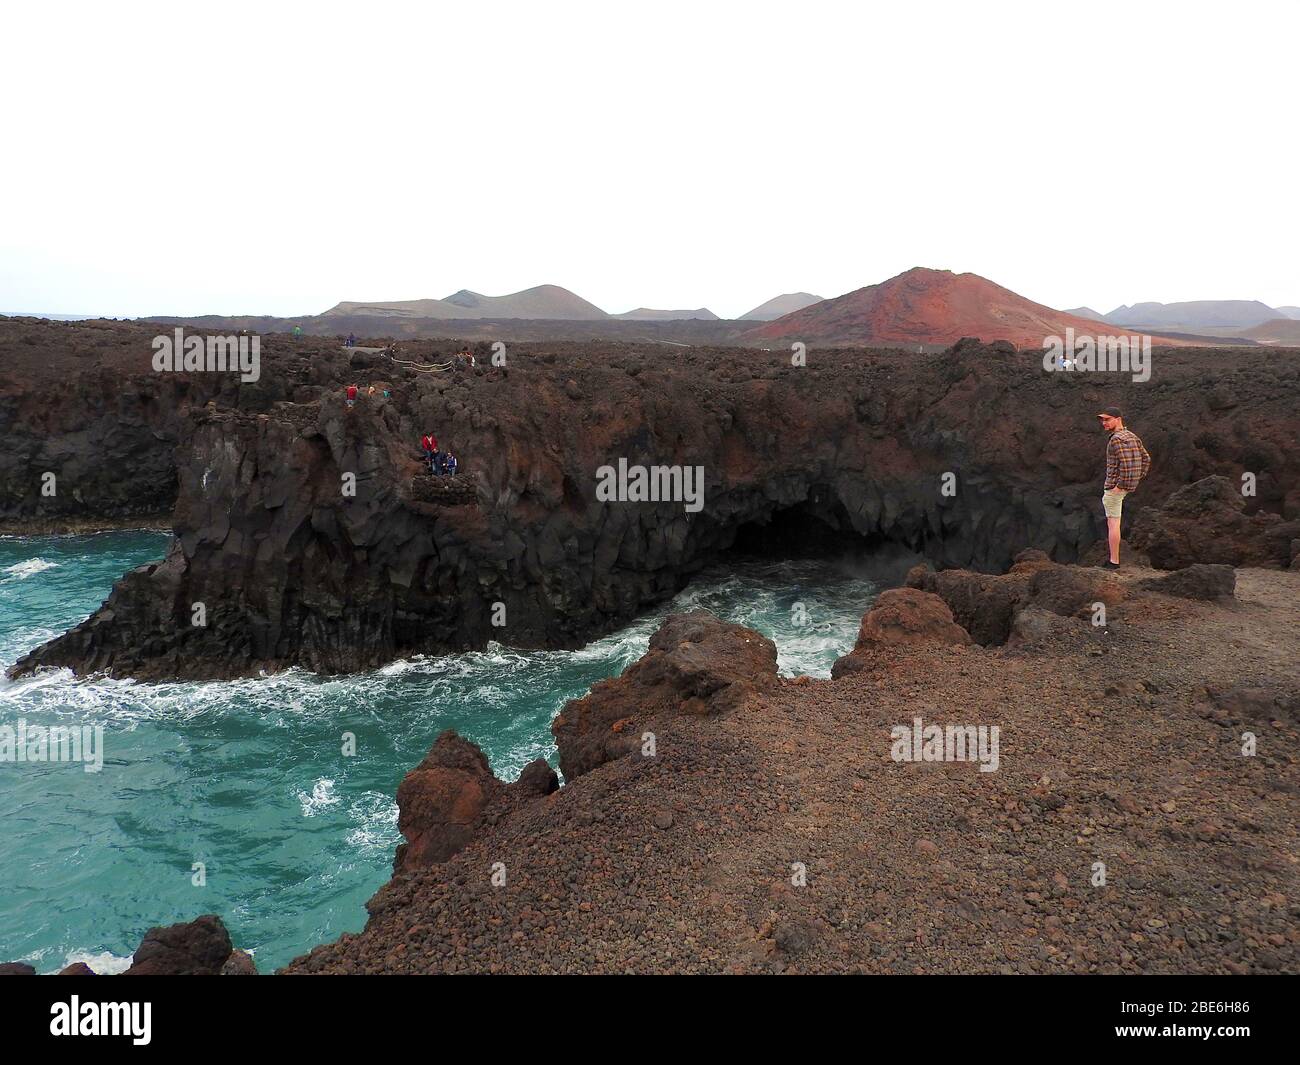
(248, 777)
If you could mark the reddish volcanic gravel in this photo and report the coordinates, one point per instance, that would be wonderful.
(1122, 748)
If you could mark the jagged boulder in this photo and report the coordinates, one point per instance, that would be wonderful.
(986, 605)
(240, 963)
(192, 948)
(445, 801)
(696, 664)
(441, 801)
(1072, 590)
(16, 968)
(909, 616)
(77, 968)
(538, 778)
(1205, 522)
(902, 616)
(982, 603)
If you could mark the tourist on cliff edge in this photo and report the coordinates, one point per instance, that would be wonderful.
(1127, 462)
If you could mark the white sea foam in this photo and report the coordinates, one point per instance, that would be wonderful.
(27, 568)
(376, 818)
(322, 796)
(103, 964)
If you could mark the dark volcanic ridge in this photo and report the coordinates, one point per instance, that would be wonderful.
(292, 570)
(632, 330)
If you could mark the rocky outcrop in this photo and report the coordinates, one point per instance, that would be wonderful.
(1206, 522)
(982, 604)
(446, 800)
(193, 948)
(200, 947)
(901, 616)
(1196, 582)
(909, 616)
(696, 664)
(987, 606)
(90, 429)
(307, 535)
(240, 963)
(1072, 591)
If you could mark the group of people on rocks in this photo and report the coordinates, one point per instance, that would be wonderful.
(352, 391)
(441, 463)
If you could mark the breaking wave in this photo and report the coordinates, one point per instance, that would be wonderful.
(248, 778)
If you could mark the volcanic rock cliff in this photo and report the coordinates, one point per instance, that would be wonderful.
(81, 401)
(720, 818)
(307, 532)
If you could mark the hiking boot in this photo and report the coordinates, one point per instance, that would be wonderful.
(1110, 565)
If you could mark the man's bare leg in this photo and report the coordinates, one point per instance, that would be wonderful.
(1112, 527)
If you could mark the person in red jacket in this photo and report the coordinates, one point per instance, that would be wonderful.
(352, 395)
(429, 444)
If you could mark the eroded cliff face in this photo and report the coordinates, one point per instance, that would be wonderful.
(78, 408)
(81, 401)
(310, 535)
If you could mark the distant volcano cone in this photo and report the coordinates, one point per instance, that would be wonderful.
(925, 306)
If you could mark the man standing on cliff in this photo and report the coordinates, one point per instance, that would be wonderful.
(1127, 462)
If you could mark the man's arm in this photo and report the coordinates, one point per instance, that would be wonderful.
(1112, 465)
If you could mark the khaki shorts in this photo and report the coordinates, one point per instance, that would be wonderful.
(1112, 502)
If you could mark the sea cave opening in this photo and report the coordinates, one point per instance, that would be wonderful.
(818, 530)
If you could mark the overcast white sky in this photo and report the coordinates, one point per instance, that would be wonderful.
(263, 158)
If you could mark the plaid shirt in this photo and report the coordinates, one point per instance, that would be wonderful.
(1127, 460)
